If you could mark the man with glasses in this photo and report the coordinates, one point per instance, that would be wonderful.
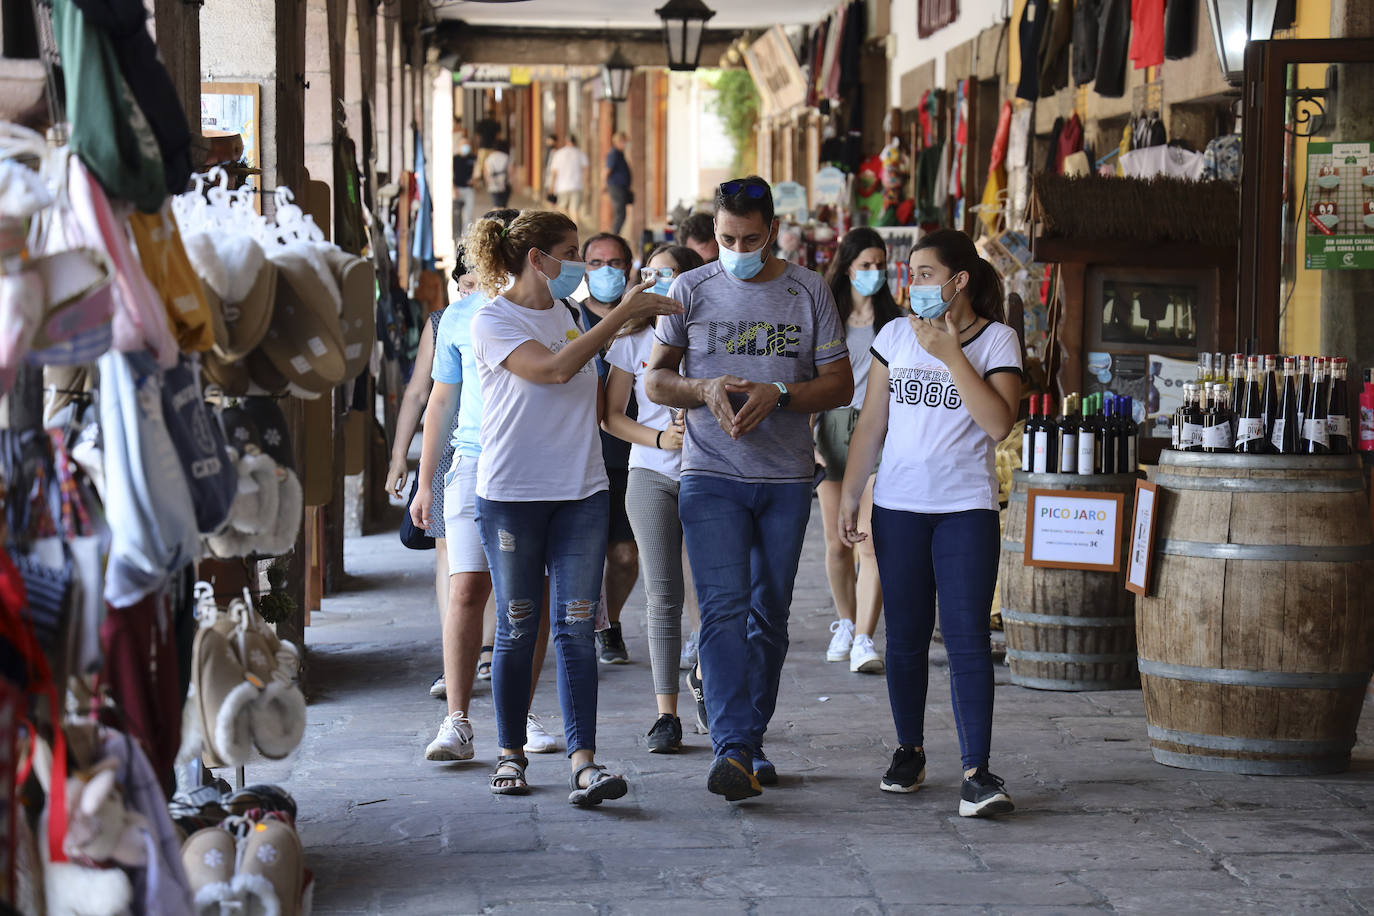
(609, 261)
(758, 348)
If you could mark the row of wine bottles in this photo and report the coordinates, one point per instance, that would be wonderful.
(1094, 435)
(1303, 411)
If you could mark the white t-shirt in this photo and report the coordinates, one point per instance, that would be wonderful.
(494, 171)
(539, 442)
(631, 354)
(568, 164)
(935, 457)
(1163, 160)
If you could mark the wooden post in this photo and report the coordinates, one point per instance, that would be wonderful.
(638, 129)
(177, 27)
(606, 128)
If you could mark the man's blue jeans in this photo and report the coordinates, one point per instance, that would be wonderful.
(744, 541)
(521, 540)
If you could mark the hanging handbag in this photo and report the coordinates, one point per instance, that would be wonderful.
(412, 537)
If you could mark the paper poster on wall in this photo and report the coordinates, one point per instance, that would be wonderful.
(1073, 529)
(1340, 206)
(1164, 393)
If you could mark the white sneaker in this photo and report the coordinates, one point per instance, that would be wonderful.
(437, 689)
(689, 652)
(863, 657)
(537, 738)
(454, 741)
(841, 642)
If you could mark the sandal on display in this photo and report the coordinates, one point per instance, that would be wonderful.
(602, 787)
(510, 769)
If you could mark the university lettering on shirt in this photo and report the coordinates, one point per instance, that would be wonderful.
(915, 387)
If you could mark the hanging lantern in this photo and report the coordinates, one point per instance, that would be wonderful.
(1236, 23)
(683, 23)
(615, 76)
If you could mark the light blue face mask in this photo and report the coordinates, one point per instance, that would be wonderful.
(662, 286)
(929, 301)
(743, 265)
(868, 282)
(569, 277)
(606, 283)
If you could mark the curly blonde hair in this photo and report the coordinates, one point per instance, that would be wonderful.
(497, 250)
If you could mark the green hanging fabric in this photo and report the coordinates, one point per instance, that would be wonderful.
(108, 129)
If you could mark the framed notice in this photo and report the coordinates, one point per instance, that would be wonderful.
(1141, 559)
(1340, 211)
(1074, 529)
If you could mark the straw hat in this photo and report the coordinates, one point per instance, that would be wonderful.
(240, 286)
(358, 318)
(305, 341)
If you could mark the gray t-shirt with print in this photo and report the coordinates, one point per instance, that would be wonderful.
(776, 331)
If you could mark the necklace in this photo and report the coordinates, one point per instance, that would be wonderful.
(969, 325)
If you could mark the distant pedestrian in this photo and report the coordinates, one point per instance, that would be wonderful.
(616, 181)
(464, 198)
(568, 177)
(944, 389)
(655, 470)
(541, 483)
(858, 281)
(698, 232)
(757, 349)
(496, 174)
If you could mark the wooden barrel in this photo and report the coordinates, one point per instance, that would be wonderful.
(1067, 629)
(1258, 641)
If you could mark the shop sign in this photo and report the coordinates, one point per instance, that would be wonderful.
(829, 184)
(1140, 563)
(778, 76)
(1340, 206)
(1073, 529)
(934, 15)
(789, 201)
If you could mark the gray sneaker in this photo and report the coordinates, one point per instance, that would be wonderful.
(611, 646)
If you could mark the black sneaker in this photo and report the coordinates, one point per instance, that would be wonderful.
(612, 646)
(764, 771)
(694, 682)
(666, 735)
(984, 795)
(907, 772)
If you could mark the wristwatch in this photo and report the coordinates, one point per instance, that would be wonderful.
(784, 396)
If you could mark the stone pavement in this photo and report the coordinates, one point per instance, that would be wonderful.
(1099, 826)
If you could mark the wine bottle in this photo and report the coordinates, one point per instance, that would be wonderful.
(1126, 461)
(1042, 438)
(1068, 436)
(1237, 380)
(1219, 367)
(1338, 410)
(1304, 389)
(1250, 436)
(1051, 437)
(1190, 438)
(1286, 426)
(1087, 438)
(1204, 368)
(1216, 422)
(1028, 437)
(1269, 409)
(1316, 438)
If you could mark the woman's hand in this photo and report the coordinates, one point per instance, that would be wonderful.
(396, 476)
(420, 506)
(939, 338)
(640, 304)
(672, 435)
(848, 521)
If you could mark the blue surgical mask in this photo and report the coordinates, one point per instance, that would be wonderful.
(868, 282)
(662, 286)
(569, 277)
(606, 283)
(929, 301)
(743, 265)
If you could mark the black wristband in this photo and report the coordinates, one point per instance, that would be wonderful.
(658, 440)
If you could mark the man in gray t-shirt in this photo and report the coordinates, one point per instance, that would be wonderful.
(759, 347)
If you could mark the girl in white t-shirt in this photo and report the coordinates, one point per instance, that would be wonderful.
(944, 389)
(651, 496)
(542, 499)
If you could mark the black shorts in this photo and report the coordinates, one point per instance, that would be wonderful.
(620, 520)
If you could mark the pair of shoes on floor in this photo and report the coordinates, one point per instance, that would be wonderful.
(243, 691)
(690, 649)
(981, 794)
(454, 741)
(699, 694)
(856, 648)
(610, 645)
(248, 865)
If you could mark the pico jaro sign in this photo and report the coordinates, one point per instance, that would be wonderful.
(1073, 529)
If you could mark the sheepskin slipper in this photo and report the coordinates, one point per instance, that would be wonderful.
(281, 535)
(263, 472)
(75, 890)
(208, 856)
(224, 698)
(271, 868)
(278, 719)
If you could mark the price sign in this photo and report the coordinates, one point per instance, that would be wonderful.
(1141, 560)
(1073, 529)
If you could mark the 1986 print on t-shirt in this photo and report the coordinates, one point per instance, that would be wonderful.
(931, 387)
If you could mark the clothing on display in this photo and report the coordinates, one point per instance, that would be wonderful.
(1113, 43)
(1163, 160)
(1033, 21)
(1085, 26)
(1221, 159)
(1147, 33)
(1053, 55)
(1180, 29)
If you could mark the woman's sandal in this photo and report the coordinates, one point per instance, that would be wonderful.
(484, 666)
(510, 769)
(603, 786)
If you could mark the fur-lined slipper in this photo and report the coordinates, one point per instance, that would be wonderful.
(75, 890)
(262, 470)
(278, 719)
(271, 870)
(208, 856)
(224, 697)
(280, 536)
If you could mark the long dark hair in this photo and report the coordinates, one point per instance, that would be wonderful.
(956, 251)
(855, 243)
